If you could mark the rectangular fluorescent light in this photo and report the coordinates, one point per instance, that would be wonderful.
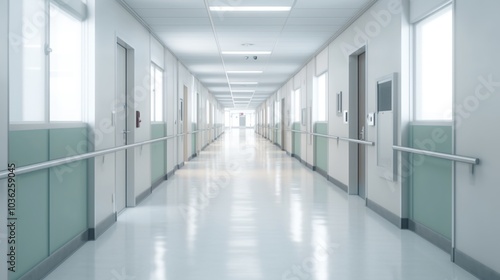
(246, 52)
(250, 8)
(243, 90)
(244, 72)
(244, 83)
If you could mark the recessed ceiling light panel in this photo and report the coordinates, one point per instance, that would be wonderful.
(243, 90)
(244, 83)
(250, 8)
(246, 52)
(244, 72)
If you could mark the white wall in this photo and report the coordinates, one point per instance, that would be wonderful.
(112, 21)
(477, 88)
(308, 142)
(108, 21)
(171, 112)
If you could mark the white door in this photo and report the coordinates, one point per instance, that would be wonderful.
(121, 129)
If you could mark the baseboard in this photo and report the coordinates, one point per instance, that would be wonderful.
(394, 219)
(170, 174)
(288, 153)
(321, 172)
(337, 183)
(428, 234)
(308, 165)
(55, 259)
(140, 198)
(159, 181)
(104, 225)
(475, 267)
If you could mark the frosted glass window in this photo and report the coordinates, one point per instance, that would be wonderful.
(434, 61)
(156, 94)
(277, 112)
(27, 67)
(208, 112)
(320, 97)
(65, 66)
(296, 106)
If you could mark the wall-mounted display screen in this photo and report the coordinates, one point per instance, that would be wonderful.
(384, 96)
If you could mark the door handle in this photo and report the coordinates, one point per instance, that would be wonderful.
(362, 133)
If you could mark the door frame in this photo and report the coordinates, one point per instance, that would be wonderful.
(353, 187)
(130, 200)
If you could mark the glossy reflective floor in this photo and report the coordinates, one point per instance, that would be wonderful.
(245, 210)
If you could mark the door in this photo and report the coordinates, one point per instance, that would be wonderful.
(185, 123)
(283, 124)
(361, 124)
(243, 121)
(121, 129)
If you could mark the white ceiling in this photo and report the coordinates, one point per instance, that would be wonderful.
(197, 36)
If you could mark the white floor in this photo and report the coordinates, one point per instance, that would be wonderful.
(245, 210)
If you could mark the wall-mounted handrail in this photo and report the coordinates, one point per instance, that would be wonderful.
(67, 160)
(362, 142)
(463, 159)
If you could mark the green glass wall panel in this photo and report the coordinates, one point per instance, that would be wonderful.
(193, 138)
(321, 146)
(32, 191)
(296, 137)
(158, 153)
(68, 187)
(278, 134)
(28, 146)
(431, 178)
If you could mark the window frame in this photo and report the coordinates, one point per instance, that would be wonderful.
(153, 104)
(76, 11)
(316, 101)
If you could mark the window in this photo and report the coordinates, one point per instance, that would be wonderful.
(276, 112)
(320, 101)
(46, 71)
(296, 106)
(433, 66)
(208, 112)
(27, 67)
(65, 66)
(156, 93)
(269, 115)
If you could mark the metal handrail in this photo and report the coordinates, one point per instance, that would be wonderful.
(362, 142)
(463, 159)
(67, 160)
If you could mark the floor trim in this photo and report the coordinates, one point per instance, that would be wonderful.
(309, 165)
(321, 172)
(170, 174)
(105, 224)
(428, 234)
(158, 182)
(140, 198)
(475, 267)
(386, 214)
(56, 258)
(337, 183)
